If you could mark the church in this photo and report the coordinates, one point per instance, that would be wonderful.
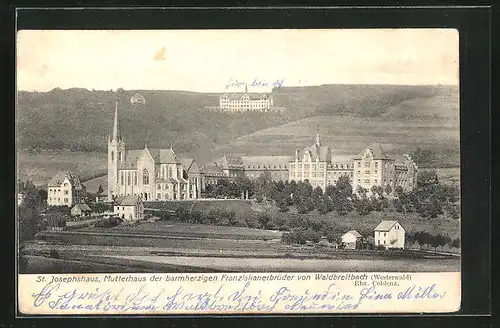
(152, 174)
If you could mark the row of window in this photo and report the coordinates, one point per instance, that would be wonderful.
(279, 166)
(66, 192)
(66, 200)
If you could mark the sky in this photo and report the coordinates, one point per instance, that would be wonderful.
(207, 60)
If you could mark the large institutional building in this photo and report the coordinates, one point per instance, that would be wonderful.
(371, 167)
(65, 189)
(159, 175)
(247, 102)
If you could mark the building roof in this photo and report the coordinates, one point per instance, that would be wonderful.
(83, 207)
(130, 200)
(186, 163)
(131, 157)
(212, 169)
(354, 233)
(61, 175)
(378, 152)
(231, 161)
(319, 152)
(266, 161)
(385, 225)
(342, 159)
(252, 96)
(164, 156)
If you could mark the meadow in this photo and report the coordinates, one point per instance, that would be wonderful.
(41, 166)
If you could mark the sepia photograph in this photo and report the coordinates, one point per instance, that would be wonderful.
(238, 151)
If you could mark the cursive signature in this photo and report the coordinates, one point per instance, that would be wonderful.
(222, 298)
(255, 83)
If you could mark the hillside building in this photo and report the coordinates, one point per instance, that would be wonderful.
(152, 174)
(129, 208)
(390, 234)
(65, 189)
(247, 102)
(371, 167)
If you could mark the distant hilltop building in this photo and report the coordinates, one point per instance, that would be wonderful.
(246, 102)
(137, 99)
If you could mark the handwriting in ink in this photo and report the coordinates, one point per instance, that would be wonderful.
(223, 298)
(256, 83)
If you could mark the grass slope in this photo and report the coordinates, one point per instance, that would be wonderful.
(42, 166)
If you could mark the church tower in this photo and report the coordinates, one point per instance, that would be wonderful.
(116, 156)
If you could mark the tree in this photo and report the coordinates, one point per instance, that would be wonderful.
(344, 187)
(263, 220)
(100, 190)
(423, 156)
(455, 243)
(29, 213)
(378, 191)
(427, 178)
(388, 190)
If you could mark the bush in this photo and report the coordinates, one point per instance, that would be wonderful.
(108, 222)
(263, 220)
(252, 222)
(284, 228)
(301, 236)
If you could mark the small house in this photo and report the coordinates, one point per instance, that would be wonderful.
(81, 210)
(129, 207)
(390, 234)
(352, 239)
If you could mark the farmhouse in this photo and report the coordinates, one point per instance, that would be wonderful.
(81, 210)
(129, 207)
(390, 234)
(65, 189)
(352, 239)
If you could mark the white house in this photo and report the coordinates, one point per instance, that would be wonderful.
(351, 239)
(65, 189)
(390, 234)
(129, 207)
(81, 210)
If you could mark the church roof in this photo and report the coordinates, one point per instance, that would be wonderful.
(131, 157)
(61, 175)
(190, 165)
(378, 152)
(164, 156)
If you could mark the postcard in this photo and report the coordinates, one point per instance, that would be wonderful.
(238, 171)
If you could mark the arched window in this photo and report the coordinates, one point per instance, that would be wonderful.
(120, 156)
(121, 178)
(135, 178)
(112, 155)
(145, 177)
(128, 179)
(169, 172)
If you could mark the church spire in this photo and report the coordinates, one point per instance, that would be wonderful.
(117, 136)
(246, 88)
(317, 136)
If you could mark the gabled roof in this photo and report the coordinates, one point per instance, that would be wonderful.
(130, 200)
(385, 225)
(377, 151)
(186, 163)
(319, 152)
(354, 233)
(164, 156)
(58, 179)
(83, 207)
